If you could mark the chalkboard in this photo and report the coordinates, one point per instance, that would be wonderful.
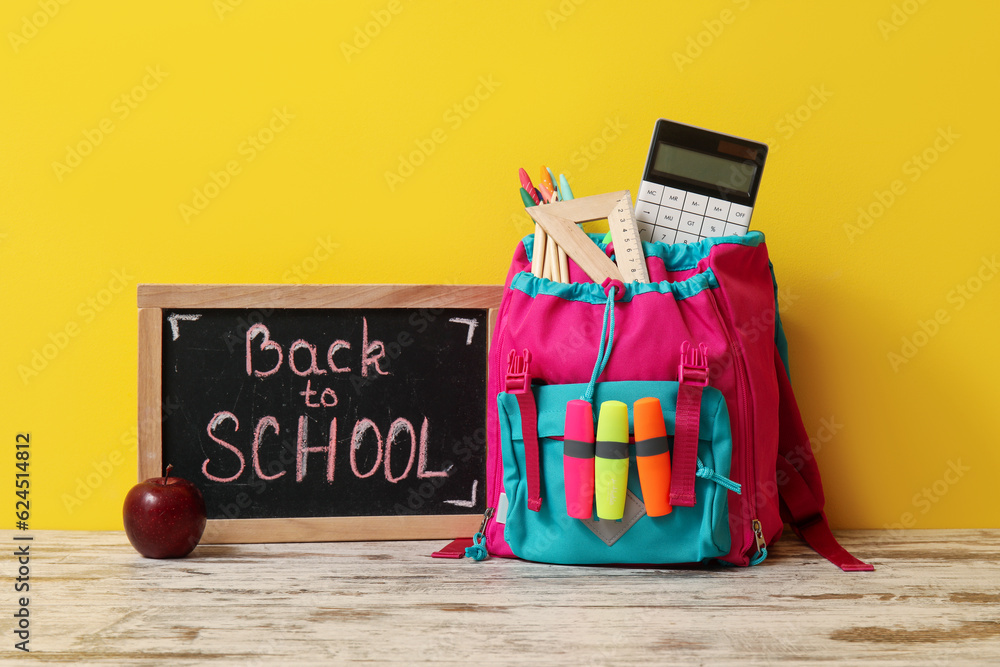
(319, 412)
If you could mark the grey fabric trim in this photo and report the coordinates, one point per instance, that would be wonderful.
(610, 532)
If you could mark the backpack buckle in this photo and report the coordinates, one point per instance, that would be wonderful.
(518, 380)
(693, 368)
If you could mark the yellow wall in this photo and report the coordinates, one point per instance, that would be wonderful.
(857, 99)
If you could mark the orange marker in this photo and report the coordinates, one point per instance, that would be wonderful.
(652, 456)
(547, 188)
(547, 179)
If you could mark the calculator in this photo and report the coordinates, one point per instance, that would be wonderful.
(697, 184)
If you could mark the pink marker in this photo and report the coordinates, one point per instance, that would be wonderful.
(578, 459)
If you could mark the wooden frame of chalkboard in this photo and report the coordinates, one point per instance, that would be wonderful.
(167, 310)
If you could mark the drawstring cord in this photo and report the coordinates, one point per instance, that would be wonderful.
(711, 475)
(611, 288)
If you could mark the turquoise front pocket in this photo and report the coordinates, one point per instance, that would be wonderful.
(686, 535)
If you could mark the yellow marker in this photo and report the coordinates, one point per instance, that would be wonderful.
(611, 460)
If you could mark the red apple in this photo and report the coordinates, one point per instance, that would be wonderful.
(164, 517)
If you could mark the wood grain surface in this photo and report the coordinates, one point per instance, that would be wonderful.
(150, 392)
(318, 296)
(933, 600)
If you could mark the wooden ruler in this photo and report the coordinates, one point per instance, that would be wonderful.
(628, 246)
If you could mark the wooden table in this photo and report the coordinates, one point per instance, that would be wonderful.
(933, 599)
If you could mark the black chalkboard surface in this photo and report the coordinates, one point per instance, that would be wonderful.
(362, 419)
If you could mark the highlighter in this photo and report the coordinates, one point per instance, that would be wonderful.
(611, 460)
(578, 459)
(652, 457)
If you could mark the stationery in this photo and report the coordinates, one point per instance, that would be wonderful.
(697, 184)
(628, 246)
(611, 460)
(564, 191)
(578, 459)
(560, 219)
(538, 255)
(548, 259)
(652, 456)
(528, 186)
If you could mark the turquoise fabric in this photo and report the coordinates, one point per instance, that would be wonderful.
(594, 293)
(686, 535)
(676, 256)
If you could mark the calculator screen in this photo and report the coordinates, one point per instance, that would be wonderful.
(689, 164)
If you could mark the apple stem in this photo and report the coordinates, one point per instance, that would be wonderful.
(167, 473)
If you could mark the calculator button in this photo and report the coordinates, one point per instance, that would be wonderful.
(662, 235)
(740, 214)
(695, 203)
(650, 192)
(712, 228)
(645, 212)
(733, 229)
(690, 223)
(672, 197)
(668, 218)
(684, 237)
(717, 208)
(646, 232)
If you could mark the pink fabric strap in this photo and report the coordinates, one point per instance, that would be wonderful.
(454, 549)
(685, 459)
(799, 485)
(818, 535)
(804, 513)
(529, 431)
(518, 383)
(692, 376)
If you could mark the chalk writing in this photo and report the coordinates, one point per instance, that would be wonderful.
(175, 329)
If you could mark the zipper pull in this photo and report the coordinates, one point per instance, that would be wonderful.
(758, 533)
(478, 549)
(486, 517)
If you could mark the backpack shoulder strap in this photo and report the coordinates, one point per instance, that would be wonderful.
(799, 485)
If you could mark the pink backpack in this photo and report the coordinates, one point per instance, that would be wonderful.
(704, 338)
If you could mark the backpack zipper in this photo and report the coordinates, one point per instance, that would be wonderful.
(749, 458)
(495, 384)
